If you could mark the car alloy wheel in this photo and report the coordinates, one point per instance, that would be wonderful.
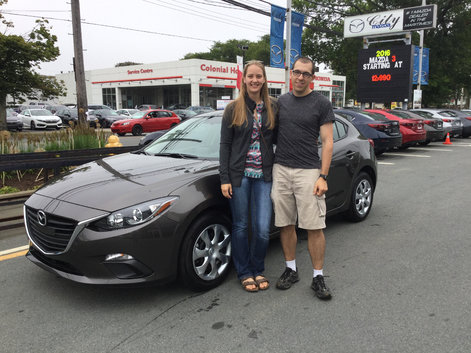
(206, 252)
(137, 130)
(361, 198)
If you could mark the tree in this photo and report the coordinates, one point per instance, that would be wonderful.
(19, 58)
(229, 50)
(449, 42)
(127, 63)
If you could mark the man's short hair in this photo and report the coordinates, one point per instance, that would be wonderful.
(305, 60)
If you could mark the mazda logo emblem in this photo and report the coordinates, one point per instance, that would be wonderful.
(356, 26)
(42, 218)
(277, 54)
(294, 55)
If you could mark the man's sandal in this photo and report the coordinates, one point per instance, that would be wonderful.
(247, 283)
(260, 279)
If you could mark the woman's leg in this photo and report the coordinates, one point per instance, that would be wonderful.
(261, 212)
(240, 219)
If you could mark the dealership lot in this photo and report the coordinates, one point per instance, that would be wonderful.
(400, 282)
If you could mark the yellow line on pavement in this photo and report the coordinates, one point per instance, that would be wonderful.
(12, 253)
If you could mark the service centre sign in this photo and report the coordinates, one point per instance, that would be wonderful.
(384, 74)
(380, 23)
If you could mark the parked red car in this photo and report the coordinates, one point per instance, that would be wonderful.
(146, 121)
(412, 130)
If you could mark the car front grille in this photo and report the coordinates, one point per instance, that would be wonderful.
(54, 236)
(56, 264)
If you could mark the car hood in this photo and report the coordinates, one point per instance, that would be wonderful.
(124, 180)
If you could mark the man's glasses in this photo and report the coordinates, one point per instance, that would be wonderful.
(298, 73)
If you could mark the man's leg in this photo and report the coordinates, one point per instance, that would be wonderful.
(288, 239)
(316, 247)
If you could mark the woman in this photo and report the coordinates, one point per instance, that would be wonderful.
(246, 160)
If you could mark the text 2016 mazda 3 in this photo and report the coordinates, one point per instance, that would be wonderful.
(158, 213)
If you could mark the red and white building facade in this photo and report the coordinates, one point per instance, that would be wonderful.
(188, 82)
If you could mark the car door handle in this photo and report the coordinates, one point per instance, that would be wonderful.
(350, 154)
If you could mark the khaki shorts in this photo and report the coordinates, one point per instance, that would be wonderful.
(293, 198)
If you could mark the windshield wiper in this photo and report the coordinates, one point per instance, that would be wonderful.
(182, 139)
(176, 155)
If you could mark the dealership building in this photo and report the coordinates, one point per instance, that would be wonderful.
(188, 82)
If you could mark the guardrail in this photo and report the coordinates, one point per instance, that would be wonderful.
(46, 161)
(57, 159)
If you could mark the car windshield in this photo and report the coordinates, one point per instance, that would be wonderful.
(194, 138)
(139, 114)
(40, 112)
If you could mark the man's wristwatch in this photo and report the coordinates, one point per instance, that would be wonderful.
(323, 176)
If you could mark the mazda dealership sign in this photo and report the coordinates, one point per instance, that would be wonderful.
(394, 21)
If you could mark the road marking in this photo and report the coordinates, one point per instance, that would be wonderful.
(407, 155)
(430, 149)
(386, 163)
(461, 145)
(12, 253)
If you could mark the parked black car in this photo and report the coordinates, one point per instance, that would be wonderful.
(106, 117)
(69, 117)
(158, 213)
(185, 113)
(384, 133)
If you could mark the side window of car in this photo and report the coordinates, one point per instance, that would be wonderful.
(340, 130)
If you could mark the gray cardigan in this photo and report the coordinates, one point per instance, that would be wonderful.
(235, 141)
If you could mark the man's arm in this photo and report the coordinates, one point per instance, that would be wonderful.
(326, 133)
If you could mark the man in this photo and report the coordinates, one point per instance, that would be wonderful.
(299, 178)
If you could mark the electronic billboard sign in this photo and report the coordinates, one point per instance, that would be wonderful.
(385, 74)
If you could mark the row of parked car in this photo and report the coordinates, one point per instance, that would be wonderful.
(55, 117)
(401, 129)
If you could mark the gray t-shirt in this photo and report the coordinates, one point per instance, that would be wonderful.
(299, 122)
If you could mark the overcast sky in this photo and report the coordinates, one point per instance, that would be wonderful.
(184, 25)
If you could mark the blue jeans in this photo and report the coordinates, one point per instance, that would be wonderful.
(249, 260)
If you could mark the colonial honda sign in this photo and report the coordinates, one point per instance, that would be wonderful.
(394, 21)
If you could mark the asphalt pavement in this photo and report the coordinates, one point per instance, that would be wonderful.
(400, 281)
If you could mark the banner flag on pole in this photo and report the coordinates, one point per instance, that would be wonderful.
(277, 27)
(240, 70)
(297, 22)
(425, 66)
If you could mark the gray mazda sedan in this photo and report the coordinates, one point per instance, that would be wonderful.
(158, 213)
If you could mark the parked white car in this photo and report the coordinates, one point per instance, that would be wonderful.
(127, 112)
(448, 120)
(39, 119)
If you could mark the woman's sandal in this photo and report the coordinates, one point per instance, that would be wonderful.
(260, 279)
(248, 282)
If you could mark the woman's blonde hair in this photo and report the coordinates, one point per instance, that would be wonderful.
(239, 116)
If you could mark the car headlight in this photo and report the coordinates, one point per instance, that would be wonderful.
(135, 215)
(125, 123)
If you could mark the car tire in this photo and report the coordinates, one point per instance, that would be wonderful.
(137, 130)
(206, 252)
(32, 126)
(361, 198)
(425, 143)
(172, 125)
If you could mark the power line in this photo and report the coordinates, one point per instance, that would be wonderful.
(211, 16)
(111, 26)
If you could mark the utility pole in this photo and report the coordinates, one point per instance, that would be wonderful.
(78, 64)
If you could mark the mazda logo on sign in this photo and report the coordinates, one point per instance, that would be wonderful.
(356, 26)
(277, 54)
(42, 218)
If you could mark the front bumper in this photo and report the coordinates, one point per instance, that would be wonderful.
(83, 257)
